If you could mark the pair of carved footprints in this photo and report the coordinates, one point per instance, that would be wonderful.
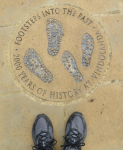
(34, 63)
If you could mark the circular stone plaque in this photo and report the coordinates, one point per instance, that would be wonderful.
(59, 53)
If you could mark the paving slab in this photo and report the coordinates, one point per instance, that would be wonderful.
(12, 12)
(17, 115)
(93, 6)
(121, 4)
(103, 114)
(7, 84)
(113, 27)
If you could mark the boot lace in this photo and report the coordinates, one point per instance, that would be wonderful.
(43, 143)
(73, 140)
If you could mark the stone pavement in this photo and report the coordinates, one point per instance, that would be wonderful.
(23, 89)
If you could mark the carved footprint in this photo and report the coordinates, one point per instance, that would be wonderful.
(69, 63)
(87, 49)
(54, 32)
(34, 63)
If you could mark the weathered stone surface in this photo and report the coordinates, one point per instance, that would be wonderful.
(121, 4)
(12, 12)
(6, 84)
(93, 6)
(103, 114)
(102, 109)
(114, 29)
(17, 115)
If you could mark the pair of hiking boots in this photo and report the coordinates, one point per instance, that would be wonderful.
(42, 133)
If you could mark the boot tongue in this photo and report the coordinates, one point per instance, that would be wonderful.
(73, 136)
(43, 139)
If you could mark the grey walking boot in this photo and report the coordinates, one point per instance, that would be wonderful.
(42, 133)
(76, 131)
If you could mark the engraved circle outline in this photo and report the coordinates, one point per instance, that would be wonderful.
(35, 97)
